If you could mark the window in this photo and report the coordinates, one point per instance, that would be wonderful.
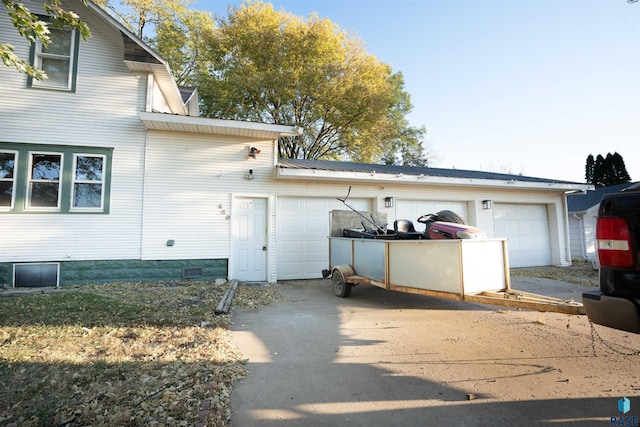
(38, 178)
(36, 275)
(58, 60)
(7, 179)
(44, 181)
(88, 172)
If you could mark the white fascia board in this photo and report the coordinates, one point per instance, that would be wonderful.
(111, 20)
(165, 81)
(176, 123)
(169, 88)
(324, 175)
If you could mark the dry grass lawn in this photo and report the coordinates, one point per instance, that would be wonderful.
(120, 354)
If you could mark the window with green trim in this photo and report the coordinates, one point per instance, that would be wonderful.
(56, 179)
(7, 179)
(44, 181)
(88, 172)
(59, 60)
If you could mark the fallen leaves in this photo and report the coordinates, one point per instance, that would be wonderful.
(579, 273)
(121, 354)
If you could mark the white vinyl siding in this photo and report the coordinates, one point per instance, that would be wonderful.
(102, 113)
(576, 238)
(582, 231)
(188, 196)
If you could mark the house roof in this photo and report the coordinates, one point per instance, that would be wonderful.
(138, 56)
(187, 92)
(582, 202)
(328, 170)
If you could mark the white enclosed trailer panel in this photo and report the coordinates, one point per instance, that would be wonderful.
(452, 266)
(467, 270)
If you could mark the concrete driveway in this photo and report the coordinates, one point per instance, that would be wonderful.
(382, 358)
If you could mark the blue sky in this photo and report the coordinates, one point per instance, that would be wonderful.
(515, 86)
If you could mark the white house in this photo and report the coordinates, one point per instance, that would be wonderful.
(108, 173)
(583, 212)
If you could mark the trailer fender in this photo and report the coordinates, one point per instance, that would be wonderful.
(339, 277)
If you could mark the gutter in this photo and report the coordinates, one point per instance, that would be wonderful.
(348, 176)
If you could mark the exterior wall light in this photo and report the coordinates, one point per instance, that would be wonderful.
(388, 202)
(486, 204)
(253, 151)
(250, 175)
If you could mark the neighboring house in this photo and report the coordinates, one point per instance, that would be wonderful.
(107, 173)
(583, 212)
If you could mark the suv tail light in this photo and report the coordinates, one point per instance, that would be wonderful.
(614, 242)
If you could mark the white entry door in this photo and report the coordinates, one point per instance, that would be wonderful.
(249, 239)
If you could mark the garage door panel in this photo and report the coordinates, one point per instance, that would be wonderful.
(290, 246)
(413, 209)
(290, 205)
(527, 229)
(315, 226)
(314, 205)
(288, 268)
(294, 225)
(315, 247)
(302, 230)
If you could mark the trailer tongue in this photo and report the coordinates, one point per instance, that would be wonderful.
(471, 269)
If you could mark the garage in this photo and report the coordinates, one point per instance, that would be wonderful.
(413, 209)
(302, 230)
(527, 228)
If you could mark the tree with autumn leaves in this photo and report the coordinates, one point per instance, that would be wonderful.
(274, 67)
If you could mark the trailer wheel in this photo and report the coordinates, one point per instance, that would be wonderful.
(450, 216)
(340, 286)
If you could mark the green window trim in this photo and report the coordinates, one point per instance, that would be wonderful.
(69, 154)
(73, 63)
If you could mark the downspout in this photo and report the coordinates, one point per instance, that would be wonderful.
(567, 239)
(148, 108)
(144, 193)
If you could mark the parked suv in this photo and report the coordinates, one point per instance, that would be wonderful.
(617, 303)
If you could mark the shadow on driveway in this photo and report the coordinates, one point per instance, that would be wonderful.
(384, 358)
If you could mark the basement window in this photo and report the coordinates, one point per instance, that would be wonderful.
(33, 275)
(191, 272)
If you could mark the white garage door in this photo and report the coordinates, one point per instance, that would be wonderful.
(302, 230)
(527, 228)
(413, 209)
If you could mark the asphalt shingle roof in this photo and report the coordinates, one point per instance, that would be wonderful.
(408, 170)
(582, 202)
(186, 92)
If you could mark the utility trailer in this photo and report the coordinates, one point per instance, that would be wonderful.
(474, 270)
